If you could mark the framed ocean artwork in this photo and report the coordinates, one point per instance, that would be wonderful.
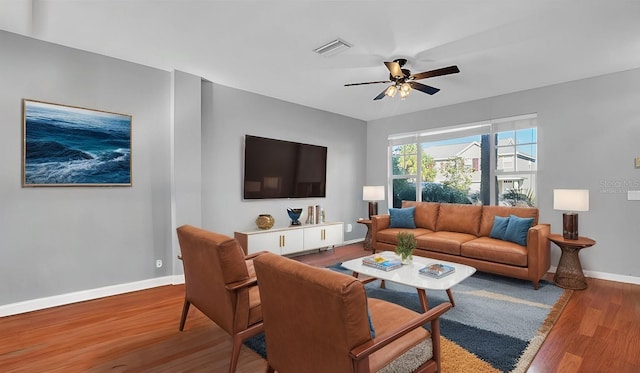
(72, 146)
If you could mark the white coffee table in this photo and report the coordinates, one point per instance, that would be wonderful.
(408, 275)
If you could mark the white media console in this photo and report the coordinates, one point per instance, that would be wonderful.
(293, 239)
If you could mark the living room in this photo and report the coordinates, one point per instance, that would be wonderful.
(64, 244)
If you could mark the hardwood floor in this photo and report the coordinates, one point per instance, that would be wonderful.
(138, 332)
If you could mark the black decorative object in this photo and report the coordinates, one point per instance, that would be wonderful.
(294, 215)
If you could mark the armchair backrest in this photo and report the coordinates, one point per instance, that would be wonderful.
(312, 316)
(211, 261)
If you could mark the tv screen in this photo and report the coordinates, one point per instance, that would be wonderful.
(283, 169)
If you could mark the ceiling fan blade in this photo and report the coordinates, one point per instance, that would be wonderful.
(381, 95)
(424, 88)
(438, 72)
(395, 69)
(381, 81)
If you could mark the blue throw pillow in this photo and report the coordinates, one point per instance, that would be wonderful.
(402, 218)
(517, 229)
(499, 227)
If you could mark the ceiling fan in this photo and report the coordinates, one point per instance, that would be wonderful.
(403, 81)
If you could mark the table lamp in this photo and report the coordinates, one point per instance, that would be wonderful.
(570, 200)
(373, 194)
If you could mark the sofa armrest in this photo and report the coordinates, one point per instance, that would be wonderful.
(538, 250)
(378, 223)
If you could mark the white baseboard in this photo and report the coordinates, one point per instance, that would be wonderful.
(607, 276)
(345, 243)
(613, 277)
(80, 296)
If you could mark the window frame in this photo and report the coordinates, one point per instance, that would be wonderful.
(491, 128)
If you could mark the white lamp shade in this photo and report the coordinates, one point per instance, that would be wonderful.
(571, 199)
(373, 193)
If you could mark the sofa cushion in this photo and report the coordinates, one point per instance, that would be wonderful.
(459, 218)
(426, 214)
(499, 227)
(494, 250)
(390, 235)
(489, 212)
(517, 229)
(443, 242)
(402, 218)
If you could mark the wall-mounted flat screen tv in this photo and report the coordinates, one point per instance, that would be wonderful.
(283, 169)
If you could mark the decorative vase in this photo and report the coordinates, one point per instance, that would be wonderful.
(294, 215)
(265, 221)
(408, 259)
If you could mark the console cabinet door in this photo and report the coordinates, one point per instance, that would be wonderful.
(292, 241)
(267, 241)
(323, 236)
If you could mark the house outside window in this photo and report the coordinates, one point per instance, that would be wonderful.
(456, 163)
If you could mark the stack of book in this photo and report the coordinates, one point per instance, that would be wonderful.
(437, 270)
(385, 263)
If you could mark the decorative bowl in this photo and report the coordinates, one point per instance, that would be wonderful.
(265, 221)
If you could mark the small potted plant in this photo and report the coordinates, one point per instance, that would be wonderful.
(406, 245)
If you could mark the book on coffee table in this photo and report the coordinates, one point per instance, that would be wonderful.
(385, 263)
(437, 270)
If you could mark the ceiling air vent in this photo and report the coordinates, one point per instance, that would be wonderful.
(333, 47)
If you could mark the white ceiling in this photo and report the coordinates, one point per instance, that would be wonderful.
(266, 47)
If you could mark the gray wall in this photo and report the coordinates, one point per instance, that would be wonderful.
(57, 240)
(236, 113)
(187, 169)
(186, 151)
(589, 132)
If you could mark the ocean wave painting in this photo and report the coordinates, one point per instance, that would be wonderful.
(66, 145)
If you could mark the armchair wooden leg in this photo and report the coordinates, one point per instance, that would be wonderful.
(435, 343)
(235, 352)
(270, 369)
(238, 338)
(185, 310)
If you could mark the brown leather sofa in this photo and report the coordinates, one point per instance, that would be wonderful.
(461, 234)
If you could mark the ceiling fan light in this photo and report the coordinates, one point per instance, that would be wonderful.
(391, 91)
(403, 94)
(405, 87)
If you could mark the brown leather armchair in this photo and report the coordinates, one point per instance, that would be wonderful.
(220, 281)
(316, 320)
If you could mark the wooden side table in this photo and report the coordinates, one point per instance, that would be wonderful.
(367, 238)
(569, 272)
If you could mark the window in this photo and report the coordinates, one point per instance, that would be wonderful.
(404, 171)
(456, 163)
(516, 151)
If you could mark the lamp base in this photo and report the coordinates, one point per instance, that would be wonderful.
(373, 209)
(570, 226)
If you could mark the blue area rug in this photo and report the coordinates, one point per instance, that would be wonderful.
(499, 321)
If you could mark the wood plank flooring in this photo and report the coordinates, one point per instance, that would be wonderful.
(138, 332)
